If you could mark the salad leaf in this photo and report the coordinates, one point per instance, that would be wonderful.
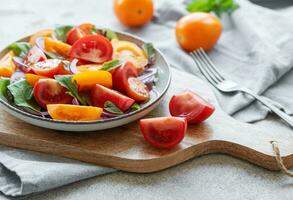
(4, 82)
(112, 64)
(149, 51)
(22, 93)
(67, 82)
(135, 107)
(217, 6)
(20, 48)
(112, 108)
(61, 32)
(110, 34)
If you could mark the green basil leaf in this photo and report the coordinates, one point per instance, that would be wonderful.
(112, 64)
(20, 48)
(22, 93)
(61, 32)
(110, 34)
(149, 51)
(135, 107)
(67, 82)
(217, 6)
(4, 82)
(112, 108)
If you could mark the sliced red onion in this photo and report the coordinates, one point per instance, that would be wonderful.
(149, 73)
(16, 76)
(72, 66)
(106, 115)
(40, 43)
(44, 114)
(75, 101)
(19, 62)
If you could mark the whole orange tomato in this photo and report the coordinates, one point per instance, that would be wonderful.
(198, 30)
(134, 12)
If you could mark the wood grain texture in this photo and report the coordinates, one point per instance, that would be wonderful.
(124, 148)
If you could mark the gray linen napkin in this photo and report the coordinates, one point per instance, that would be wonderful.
(255, 50)
(23, 172)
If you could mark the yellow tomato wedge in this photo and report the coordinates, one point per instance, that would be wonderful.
(7, 66)
(121, 45)
(69, 112)
(41, 33)
(129, 51)
(87, 79)
(89, 67)
(33, 78)
(56, 46)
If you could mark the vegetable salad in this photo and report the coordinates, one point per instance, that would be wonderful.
(77, 73)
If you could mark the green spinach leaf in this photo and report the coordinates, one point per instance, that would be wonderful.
(20, 48)
(112, 108)
(4, 82)
(110, 34)
(67, 82)
(61, 32)
(149, 51)
(135, 107)
(22, 93)
(112, 64)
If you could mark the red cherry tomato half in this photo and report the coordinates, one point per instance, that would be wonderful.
(93, 48)
(163, 132)
(49, 91)
(78, 32)
(121, 75)
(101, 94)
(48, 68)
(191, 106)
(137, 90)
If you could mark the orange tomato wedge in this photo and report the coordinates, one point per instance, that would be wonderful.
(87, 79)
(69, 112)
(7, 66)
(41, 33)
(33, 78)
(55, 46)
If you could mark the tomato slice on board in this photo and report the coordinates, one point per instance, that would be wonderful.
(163, 132)
(101, 94)
(121, 76)
(48, 68)
(49, 91)
(137, 90)
(78, 32)
(93, 48)
(191, 106)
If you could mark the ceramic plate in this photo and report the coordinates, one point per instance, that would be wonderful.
(160, 89)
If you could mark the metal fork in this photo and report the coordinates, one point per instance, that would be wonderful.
(212, 74)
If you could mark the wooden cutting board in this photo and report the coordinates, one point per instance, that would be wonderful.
(124, 148)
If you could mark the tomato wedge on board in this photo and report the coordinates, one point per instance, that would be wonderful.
(49, 91)
(137, 90)
(78, 32)
(101, 94)
(93, 48)
(191, 106)
(121, 75)
(48, 68)
(163, 132)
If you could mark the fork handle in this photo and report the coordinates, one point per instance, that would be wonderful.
(287, 118)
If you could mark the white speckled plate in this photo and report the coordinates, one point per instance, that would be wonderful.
(161, 87)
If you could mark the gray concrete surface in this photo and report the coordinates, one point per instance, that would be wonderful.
(210, 177)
